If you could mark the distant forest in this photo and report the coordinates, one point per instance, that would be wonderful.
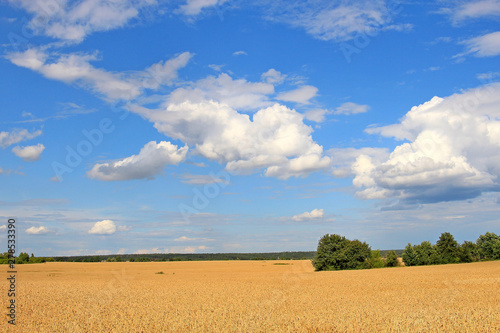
(298, 255)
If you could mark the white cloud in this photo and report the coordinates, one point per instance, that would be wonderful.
(273, 76)
(300, 95)
(276, 138)
(17, 135)
(483, 46)
(488, 76)
(343, 159)
(351, 108)
(237, 53)
(452, 153)
(307, 216)
(316, 115)
(474, 9)
(74, 20)
(331, 20)
(104, 227)
(29, 153)
(37, 231)
(194, 7)
(150, 162)
(76, 68)
(239, 94)
(3, 227)
(164, 72)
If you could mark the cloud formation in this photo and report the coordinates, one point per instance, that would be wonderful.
(149, 163)
(333, 20)
(308, 216)
(37, 230)
(10, 138)
(474, 9)
(195, 7)
(275, 138)
(104, 227)
(73, 20)
(484, 46)
(300, 95)
(239, 94)
(77, 68)
(452, 153)
(29, 153)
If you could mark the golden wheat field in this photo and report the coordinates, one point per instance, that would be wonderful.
(254, 296)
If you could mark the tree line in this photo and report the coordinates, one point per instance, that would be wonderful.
(24, 258)
(336, 252)
(448, 251)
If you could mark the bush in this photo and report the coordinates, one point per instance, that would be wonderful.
(336, 252)
(392, 259)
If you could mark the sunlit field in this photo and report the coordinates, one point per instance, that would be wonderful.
(254, 296)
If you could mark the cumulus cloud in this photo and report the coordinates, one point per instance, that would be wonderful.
(452, 153)
(104, 227)
(194, 7)
(149, 163)
(29, 153)
(273, 76)
(483, 46)
(343, 159)
(307, 216)
(239, 94)
(74, 20)
(37, 230)
(333, 20)
(275, 138)
(77, 68)
(300, 95)
(10, 138)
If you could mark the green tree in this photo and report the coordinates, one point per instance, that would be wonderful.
(447, 247)
(392, 259)
(435, 256)
(467, 252)
(427, 254)
(375, 260)
(488, 246)
(24, 257)
(409, 256)
(336, 252)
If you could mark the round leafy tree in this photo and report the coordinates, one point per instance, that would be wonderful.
(336, 252)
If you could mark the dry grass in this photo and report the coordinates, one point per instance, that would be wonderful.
(254, 296)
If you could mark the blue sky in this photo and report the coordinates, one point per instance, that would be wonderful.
(247, 126)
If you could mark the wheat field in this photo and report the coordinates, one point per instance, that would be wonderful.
(253, 296)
